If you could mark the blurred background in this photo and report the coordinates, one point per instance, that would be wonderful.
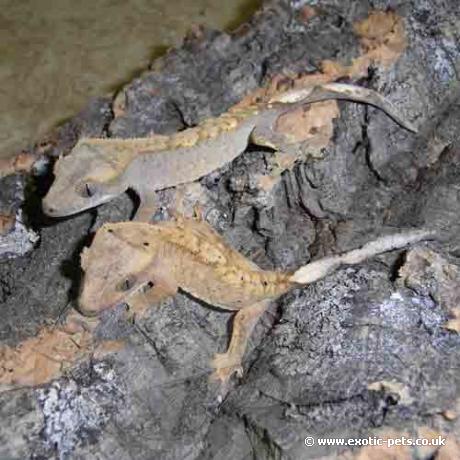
(55, 54)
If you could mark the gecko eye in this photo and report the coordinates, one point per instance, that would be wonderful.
(126, 284)
(86, 189)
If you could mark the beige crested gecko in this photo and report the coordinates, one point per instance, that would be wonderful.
(98, 170)
(140, 263)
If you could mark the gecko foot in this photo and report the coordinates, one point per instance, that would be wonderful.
(225, 366)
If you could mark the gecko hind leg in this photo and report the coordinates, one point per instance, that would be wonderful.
(265, 135)
(228, 363)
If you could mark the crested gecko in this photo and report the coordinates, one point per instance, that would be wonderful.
(139, 263)
(98, 170)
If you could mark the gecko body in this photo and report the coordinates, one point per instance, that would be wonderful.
(140, 263)
(98, 170)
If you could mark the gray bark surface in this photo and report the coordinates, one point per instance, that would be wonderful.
(315, 352)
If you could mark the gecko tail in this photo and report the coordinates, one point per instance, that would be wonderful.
(344, 91)
(320, 268)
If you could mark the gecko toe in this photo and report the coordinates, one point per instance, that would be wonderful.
(225, 366)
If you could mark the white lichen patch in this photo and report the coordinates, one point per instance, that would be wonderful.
(75, 412)
(18, 241)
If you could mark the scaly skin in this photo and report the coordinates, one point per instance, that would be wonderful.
(140, 263)
(98, 170)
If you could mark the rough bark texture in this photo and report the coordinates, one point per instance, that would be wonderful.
(317, 352)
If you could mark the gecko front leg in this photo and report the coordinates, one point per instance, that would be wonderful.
(160, 288)
(228, 363)
(147, 205)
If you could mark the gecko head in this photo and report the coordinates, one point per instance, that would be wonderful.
(114, 268)
(83, 179)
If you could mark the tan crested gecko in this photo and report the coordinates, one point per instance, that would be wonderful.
(140, 263)
(98, 170)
